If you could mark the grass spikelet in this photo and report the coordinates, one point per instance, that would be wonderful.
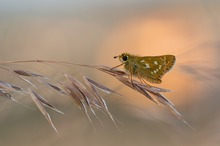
(41, 108)
(10, 87)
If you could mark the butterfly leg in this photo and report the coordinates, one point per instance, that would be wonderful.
(142, 80)
(131, 80)
(130, 76)
(139, 77)
(117, 66)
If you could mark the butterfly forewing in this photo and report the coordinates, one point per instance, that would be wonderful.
(152, 68)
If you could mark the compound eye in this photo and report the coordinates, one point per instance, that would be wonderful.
(125, 58)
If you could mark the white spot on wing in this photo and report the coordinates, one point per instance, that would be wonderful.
(147, 65)
(155, 62)
(142, 61)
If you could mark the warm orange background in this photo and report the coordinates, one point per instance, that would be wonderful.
(92, 33)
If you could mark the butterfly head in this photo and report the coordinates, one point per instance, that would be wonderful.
(123, 57)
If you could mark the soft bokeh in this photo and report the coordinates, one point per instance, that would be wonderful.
(92, 32)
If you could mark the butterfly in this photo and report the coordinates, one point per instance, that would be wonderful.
(147, 68)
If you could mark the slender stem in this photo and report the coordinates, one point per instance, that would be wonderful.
(45, 61)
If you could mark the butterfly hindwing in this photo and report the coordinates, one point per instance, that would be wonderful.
(152, 68)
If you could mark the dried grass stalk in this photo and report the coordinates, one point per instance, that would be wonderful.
(86, 97)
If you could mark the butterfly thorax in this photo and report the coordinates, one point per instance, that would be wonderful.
(131, 65)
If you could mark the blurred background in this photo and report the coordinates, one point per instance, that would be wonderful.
(92, 32)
